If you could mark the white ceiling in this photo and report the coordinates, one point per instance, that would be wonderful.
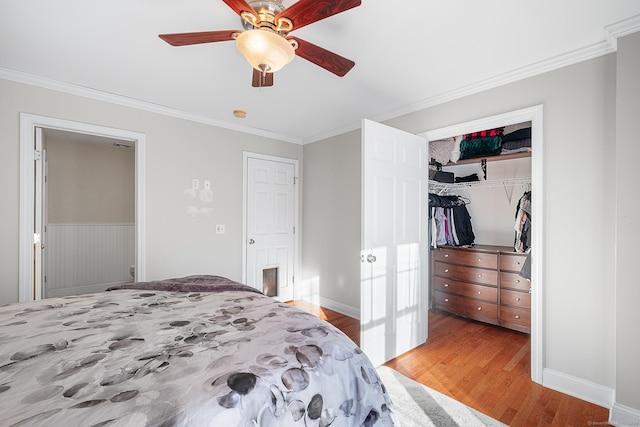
(409, 54)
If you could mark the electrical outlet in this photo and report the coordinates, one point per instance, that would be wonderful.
(195, 183)
(220, 229)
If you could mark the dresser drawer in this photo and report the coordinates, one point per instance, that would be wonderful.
(467, 257)
(465, 306)
(515, 298)
(519, 316)
(466, 274)
(471, 290)
(514, 281)
(512, 261)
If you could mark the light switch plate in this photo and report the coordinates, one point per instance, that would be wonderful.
(195, 183)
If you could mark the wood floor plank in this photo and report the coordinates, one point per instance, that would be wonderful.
(483, 366)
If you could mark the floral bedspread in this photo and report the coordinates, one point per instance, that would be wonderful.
(217, 356)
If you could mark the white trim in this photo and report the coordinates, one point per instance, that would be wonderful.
(609, 45)
(30, 79)
(621, 415)
(560, 61)
(620, 29)
(537, 251)
(28, 123)
(246, 155)
(577, 387)
(535, 115)
(605, 47)
(339, 307)
(538, 68)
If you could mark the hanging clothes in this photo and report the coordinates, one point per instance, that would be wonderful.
(522, 226)
(449, 221)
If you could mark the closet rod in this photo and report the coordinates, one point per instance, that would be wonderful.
(442, 187)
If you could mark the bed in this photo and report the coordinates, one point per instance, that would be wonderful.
(194, 351)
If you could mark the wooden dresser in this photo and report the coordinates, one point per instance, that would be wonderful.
(482, 283)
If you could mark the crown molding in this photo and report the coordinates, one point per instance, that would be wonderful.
(620, 29)
(33, 80)
(609, 45)
(557, 62)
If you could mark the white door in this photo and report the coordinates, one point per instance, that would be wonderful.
(270, 226)
(394, 287)
(40, 222)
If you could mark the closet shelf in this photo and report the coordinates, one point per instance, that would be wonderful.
(443, 187)
(510, 156)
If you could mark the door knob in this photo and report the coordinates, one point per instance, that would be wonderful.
(251, 241)
(371, 258)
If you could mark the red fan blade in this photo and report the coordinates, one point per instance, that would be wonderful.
(261, 80)
(240, 6)
(183, 39)
(330, 61)
(306, 12)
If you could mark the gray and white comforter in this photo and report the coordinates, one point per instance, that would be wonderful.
(197, 351)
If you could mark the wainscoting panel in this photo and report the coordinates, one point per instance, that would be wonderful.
(82, 258)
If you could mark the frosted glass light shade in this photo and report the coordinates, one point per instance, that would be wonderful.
(265, 50)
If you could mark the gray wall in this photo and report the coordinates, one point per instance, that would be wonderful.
(176, 151)
(579, 181)
(627, 205)
(331, 219)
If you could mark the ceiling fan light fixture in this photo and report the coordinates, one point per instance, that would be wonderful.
(265, 50)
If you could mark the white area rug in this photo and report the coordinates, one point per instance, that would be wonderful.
(417, 405)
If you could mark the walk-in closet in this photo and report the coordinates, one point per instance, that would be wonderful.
(480, 218)
(483, 222)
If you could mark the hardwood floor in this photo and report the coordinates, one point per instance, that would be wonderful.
(482, 366)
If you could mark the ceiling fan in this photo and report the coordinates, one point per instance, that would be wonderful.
(265, 41)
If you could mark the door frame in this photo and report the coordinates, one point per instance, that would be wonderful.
(27, 290)
(535, 116)
(246, 155)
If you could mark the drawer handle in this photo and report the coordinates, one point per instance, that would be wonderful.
(479, 308)
(446, 255)
(479, 259)
(446, 285)
(446, 300)
(517, 280)
(518, 263)
(446, 270)
(517, 316)
(479, 292)
(517, 298)
(479, 276)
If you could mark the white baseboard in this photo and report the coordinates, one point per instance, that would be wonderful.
(579, 388)
(341, 308)
(621, 415)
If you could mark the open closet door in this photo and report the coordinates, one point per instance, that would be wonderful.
(40, 214)
(393, 284)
